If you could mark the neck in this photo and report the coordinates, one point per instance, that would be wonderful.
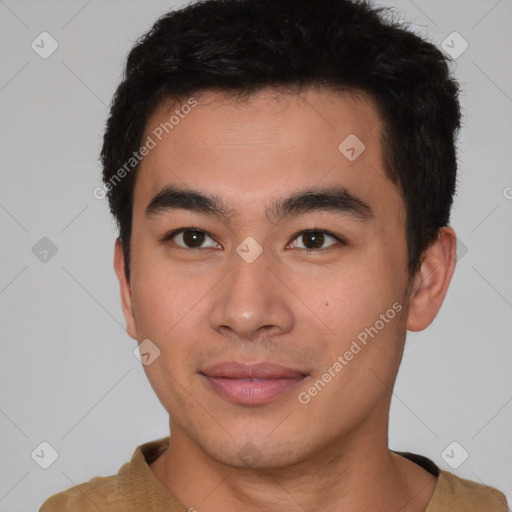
(357, 472)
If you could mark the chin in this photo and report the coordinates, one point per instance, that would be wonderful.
(256, 452)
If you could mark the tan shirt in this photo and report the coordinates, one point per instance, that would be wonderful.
(136, 489)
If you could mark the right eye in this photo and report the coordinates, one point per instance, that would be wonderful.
(189, 238)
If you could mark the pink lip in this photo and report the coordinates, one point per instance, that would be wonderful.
(232, 380)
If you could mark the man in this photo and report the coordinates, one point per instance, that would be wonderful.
(282, 174)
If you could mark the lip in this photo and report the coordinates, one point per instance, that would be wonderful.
(234, 381)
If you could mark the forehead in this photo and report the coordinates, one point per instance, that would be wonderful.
(250, 149)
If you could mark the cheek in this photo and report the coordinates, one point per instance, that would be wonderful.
(163, 300)
(362, 306)
(354, 296)
(166, 310)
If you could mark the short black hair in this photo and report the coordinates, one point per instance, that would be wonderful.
(243, 46)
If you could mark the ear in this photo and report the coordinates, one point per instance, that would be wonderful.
(126, 294)
(432, 280)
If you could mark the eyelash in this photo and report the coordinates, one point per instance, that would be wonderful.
(173, 233)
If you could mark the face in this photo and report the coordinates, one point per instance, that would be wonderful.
(288, 255)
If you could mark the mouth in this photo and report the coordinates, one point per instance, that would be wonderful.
(251, 384)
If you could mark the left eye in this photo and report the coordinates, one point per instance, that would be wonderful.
(313, 239)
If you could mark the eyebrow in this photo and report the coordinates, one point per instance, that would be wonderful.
(331, 199)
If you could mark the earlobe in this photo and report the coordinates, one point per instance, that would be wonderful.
(432, 280)
(126, 297)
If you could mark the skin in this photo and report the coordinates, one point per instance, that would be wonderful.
(295, 308)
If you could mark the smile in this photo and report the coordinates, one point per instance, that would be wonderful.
(251, 384)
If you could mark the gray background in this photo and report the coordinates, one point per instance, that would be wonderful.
(68, 373)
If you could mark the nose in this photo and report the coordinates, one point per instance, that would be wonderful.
(251, 301)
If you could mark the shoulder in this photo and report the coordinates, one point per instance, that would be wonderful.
(455, 493)
(96, 494)
(116, 493)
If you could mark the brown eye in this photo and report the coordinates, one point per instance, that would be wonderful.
(191, 239)
(314, 239)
